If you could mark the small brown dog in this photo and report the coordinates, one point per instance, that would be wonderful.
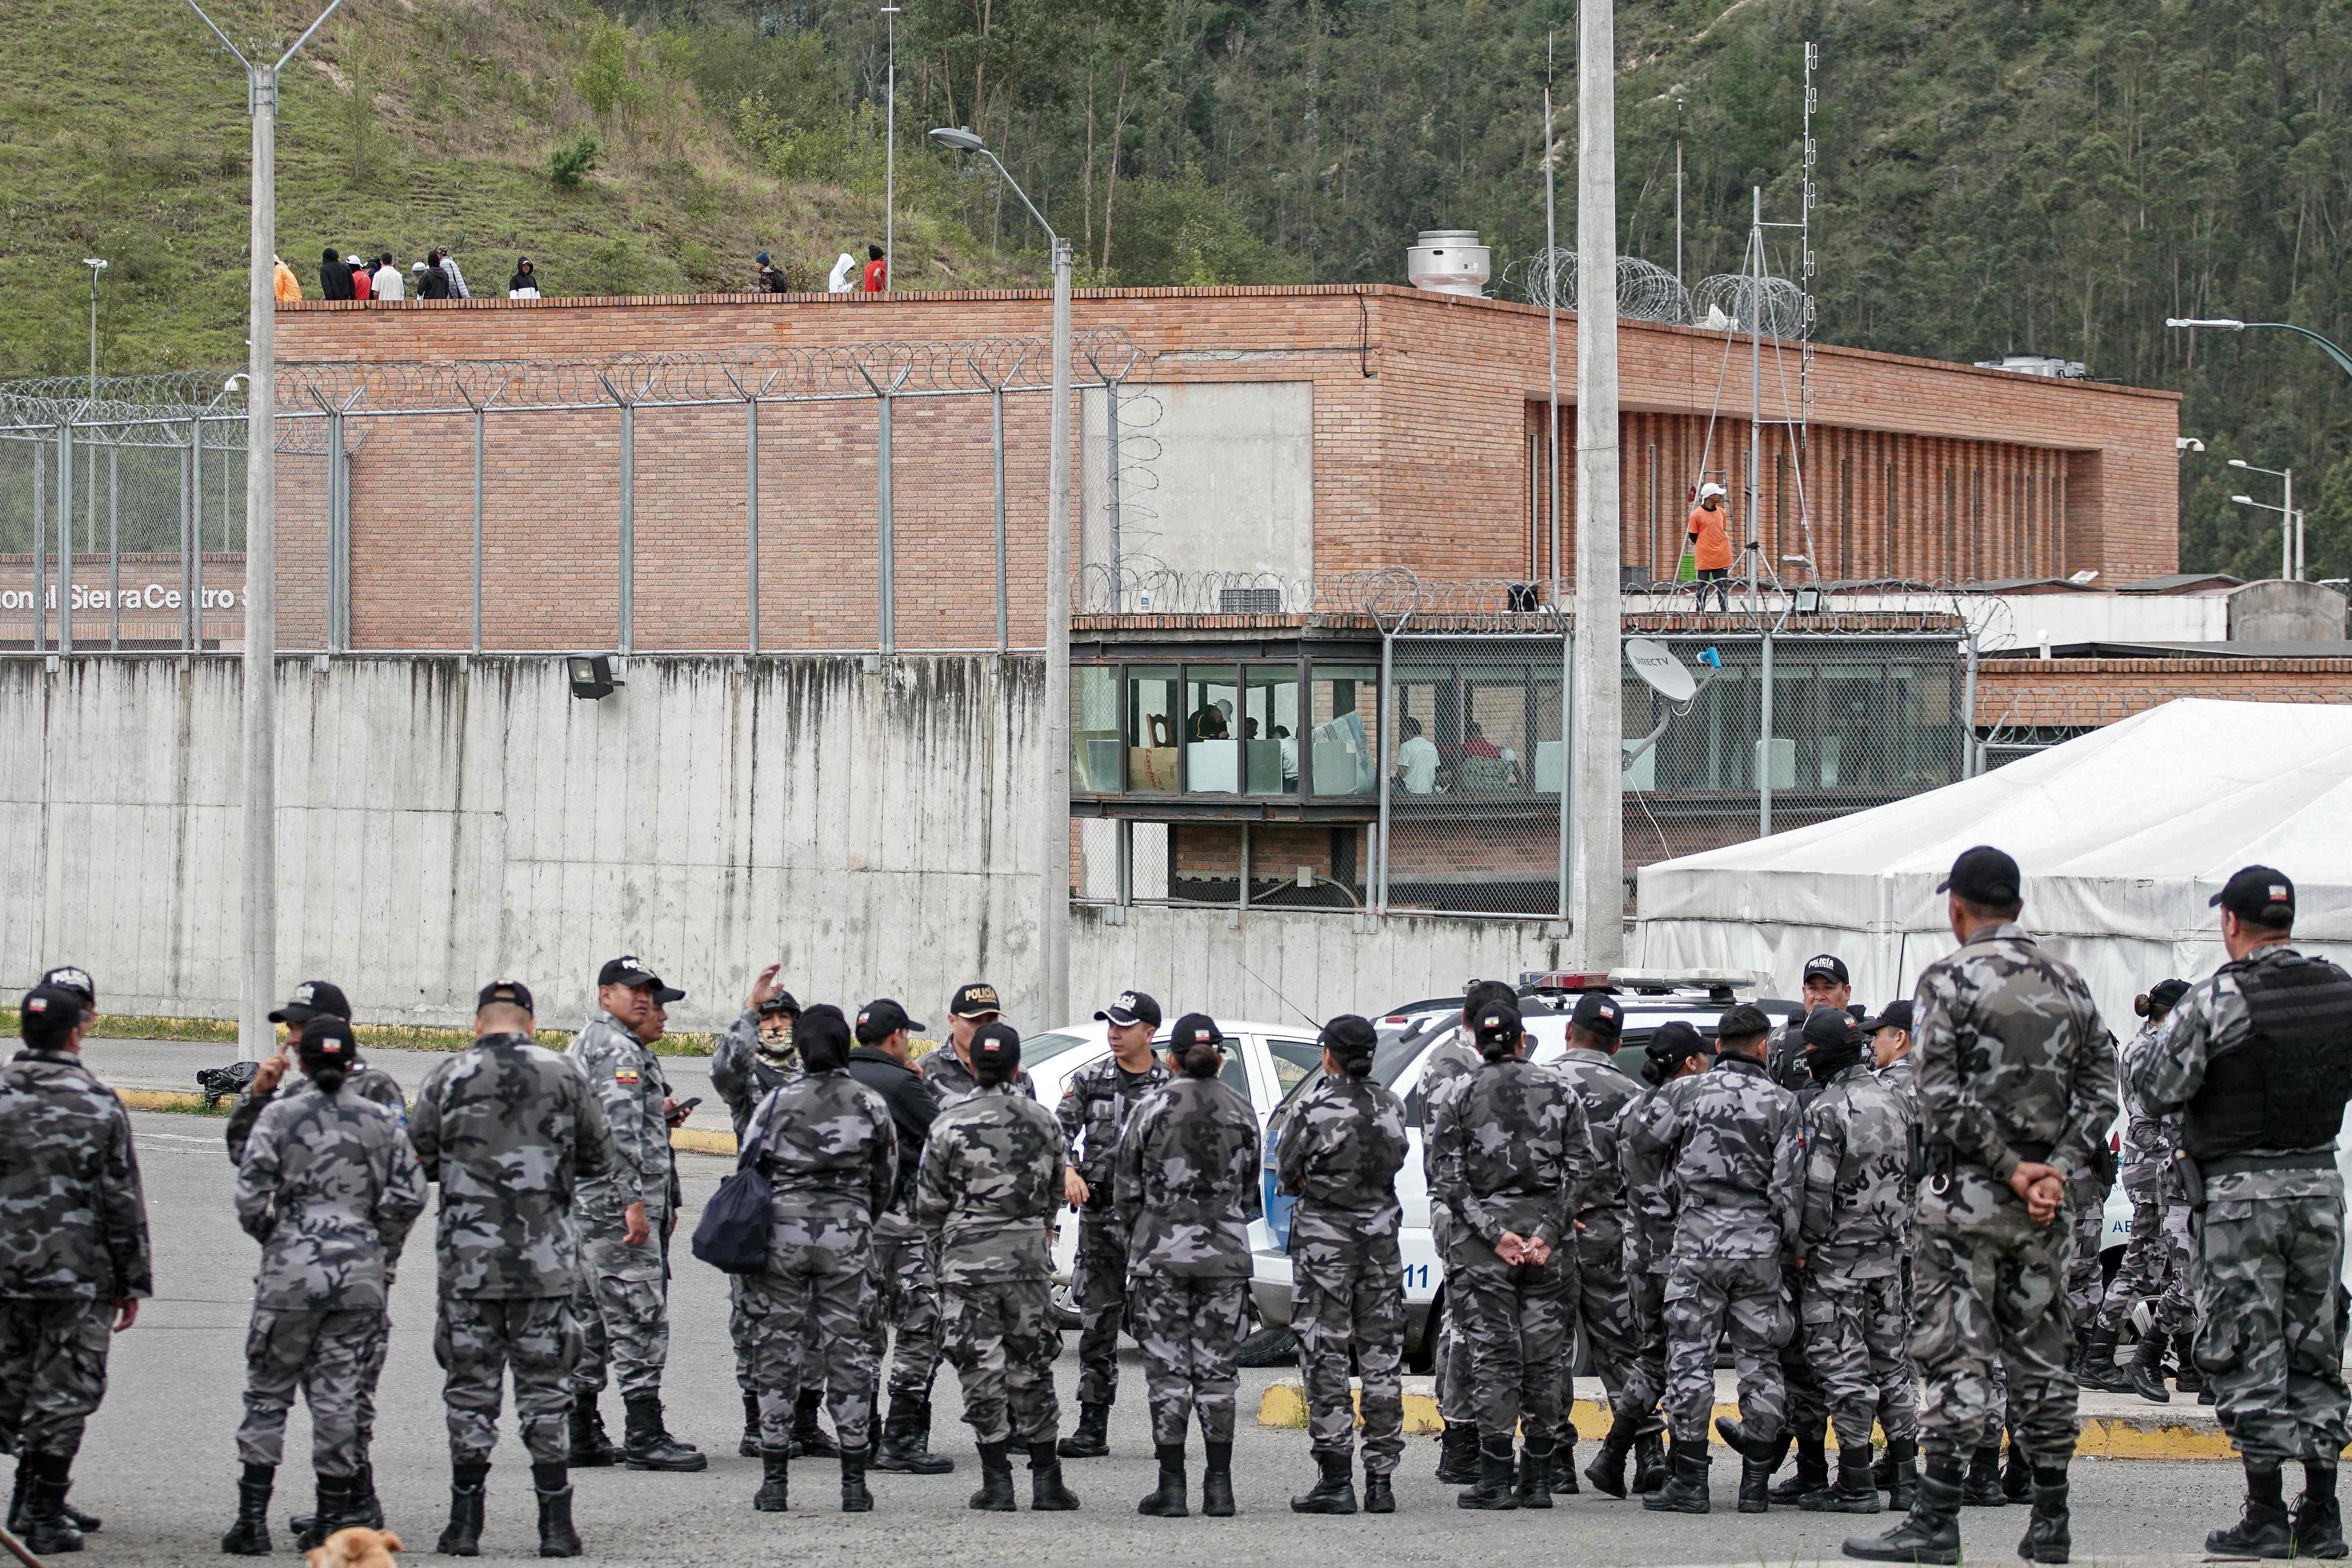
(357, 1547)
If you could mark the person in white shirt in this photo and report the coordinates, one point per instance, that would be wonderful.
(842, 279)
(1416, 760)
(389, 284)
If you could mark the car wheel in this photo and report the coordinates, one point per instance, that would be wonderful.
(1065, 1308)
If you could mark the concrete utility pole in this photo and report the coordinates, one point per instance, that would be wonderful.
(259, 990)
(1599, 745)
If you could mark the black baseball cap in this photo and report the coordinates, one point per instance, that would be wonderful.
(1495, 1024)
(1677, 1041)
(1745, 1022)
(1984, 875)
(313, 999)
(1826, 1028)
(880, 1019)
(2167, 994)
(1828, 964)
(998, 1044)
(1132, 1007)
(71, 977)
(53, 1006)
(513, 992)
(2259, 893)
(328, 1035)
(782, 1002)
(1894, 1015)
(1599, 1015)
(1349, 1036)
(1195, 1029)
(665, 993)
(628, 969)
(975, 1000)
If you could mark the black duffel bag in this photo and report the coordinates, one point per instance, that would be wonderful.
(732, 1234)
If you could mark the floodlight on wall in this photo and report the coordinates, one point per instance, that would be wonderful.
(2186, 444)
(1806, 601)
(592, 677)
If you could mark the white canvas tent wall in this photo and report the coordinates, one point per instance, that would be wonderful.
(2122, 834)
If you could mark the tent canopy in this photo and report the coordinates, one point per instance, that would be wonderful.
(2122, 834)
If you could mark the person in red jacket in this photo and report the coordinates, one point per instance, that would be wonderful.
(877, 271)
(362, 279)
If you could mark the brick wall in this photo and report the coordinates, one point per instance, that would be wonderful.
(2090, 692)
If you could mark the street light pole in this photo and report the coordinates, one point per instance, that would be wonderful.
(96, 265)
(1054, 889)
(2227, 324)
(890, 148)
(2289, 520)
(259, 990)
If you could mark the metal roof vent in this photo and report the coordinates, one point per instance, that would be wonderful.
(1448, 261)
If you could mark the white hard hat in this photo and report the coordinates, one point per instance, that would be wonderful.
(1709, 489)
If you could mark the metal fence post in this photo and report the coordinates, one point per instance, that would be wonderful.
(65, 536)
(752, 515)
(1003, 631)
(338, 610)
(629, 525)
(478, 438)
(1969, 708)
(40, 547)
(1567, 772)
(194, 560)
(1383, 723)
(114, 547)
(1110, 479)
(187, 586)
(882, 501)
(1764, 745)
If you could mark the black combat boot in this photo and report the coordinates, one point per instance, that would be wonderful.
(249, 1536)
(2046, 1537)
(2098, 1368)
(338, 1508)
(1651, 1471)
(1217, 1481)
(2017, 1473)
(1493, 1492)
(1379, 1492)
(775, 1493)
(855, 1497)
(590, 1447)
(1685, 1489)
(1901, 1473)
(1931, 1532)
(2190, 1380)
(1563, 1456)
(1981, 1486)
(1457, 1454)
(995, 1493)
(1759, 1456)
(1091, 1441)
(906, 1442)
(468, 1482)
(1853, 1491)
(48, 1531)
(86, 1522)
(1167, 1501)
(2266, 1530)
(366, 1507)
(553, 1483)
(2145, 1372)
(750, 1446)
(1812, 1473)
(2318, 1525)
(646, 1442)
(1534, 1490)
(1047, 1492)
(1335, 1492)
(1607, 1471)
(809, 1439)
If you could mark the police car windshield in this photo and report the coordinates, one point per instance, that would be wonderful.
(1039, 1049)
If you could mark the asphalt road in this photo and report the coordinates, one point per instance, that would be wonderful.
(158, 1463)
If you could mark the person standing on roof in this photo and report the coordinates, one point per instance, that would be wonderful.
(877, 271)
(1710, 544)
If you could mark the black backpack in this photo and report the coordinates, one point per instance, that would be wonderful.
(732, 1234)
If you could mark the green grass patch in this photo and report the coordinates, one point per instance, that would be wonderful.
(378, 1036)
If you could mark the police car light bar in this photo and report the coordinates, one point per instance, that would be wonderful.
(1693, 980)
(1549, 980)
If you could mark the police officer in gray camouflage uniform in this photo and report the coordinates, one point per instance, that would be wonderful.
(1093, 1114)
(1512, 1156)
(1339, 1155)
(1187, 1187)
(823, 1141)
(1730, 1138)
(1600, 1292)
(1826, 987)
(2258, 1059)
(991, 1180)
(2017, 1088)
(948, 1071)
(623, 1298)
(2156, 1263)
(329, 1185)
(510, 1129)
(1889, 1033)
(74, 1260)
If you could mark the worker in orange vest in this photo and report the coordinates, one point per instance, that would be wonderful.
(1710, 544)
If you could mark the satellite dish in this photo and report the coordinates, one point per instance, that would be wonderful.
(1661, 669)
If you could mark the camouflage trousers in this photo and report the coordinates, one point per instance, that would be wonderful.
(326, 1355)
(999, 1336)
(2155, 1269)
(476, 1340)
(1995, 1299)
(1099, 1284)
(1856, 1334)
(1191, 1329)
(1346, 1301)
(1809, 1402)
(52, 1373)
(1645, 1373)
(622, 1305)
(1450, 1359)
(2086, 1280)
(1514, 1319)
(1708, 1299)
(2270, 1311)
(740, 1333)
(907, 1297)
(810, 1311)
(1603, 1306)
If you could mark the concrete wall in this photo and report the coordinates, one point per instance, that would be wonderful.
(2282, 612)
(1213, 478)
(443, 825)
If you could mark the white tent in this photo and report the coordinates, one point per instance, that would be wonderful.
(2121, 834)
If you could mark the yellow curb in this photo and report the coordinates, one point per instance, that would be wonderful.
(695, 1140)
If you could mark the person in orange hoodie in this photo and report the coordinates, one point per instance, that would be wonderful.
(1711, 544)
(282, 281)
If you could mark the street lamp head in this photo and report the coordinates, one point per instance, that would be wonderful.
(2237, 462)
(94, 263)
(2222, 322)
(230, 385)
(959, 137)
(2245, 500)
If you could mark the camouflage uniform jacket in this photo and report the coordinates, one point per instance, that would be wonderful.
(1857, 1207)
(1649, 1192)
(739, 1076)
(953, 1082)
(1784, 1058)
(1902, 1075)
(367, 1082)
(1451, 1062)
(1731, 1142)
(989, 1183)
(628, 1078)
(509, 1130)
(1340, 1152)
(1607, 1090)
(2214, 1016)
(329, 1186)
(1093, 1111)
(828, 1149)
(1188, 1182)
(2148, 1139)
(2011, 1057)
(1513, 1154)
(76, 1216)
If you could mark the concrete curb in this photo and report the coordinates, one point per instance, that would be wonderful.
(2104, 1435)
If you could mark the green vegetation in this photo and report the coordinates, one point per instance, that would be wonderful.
(374, 1036)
